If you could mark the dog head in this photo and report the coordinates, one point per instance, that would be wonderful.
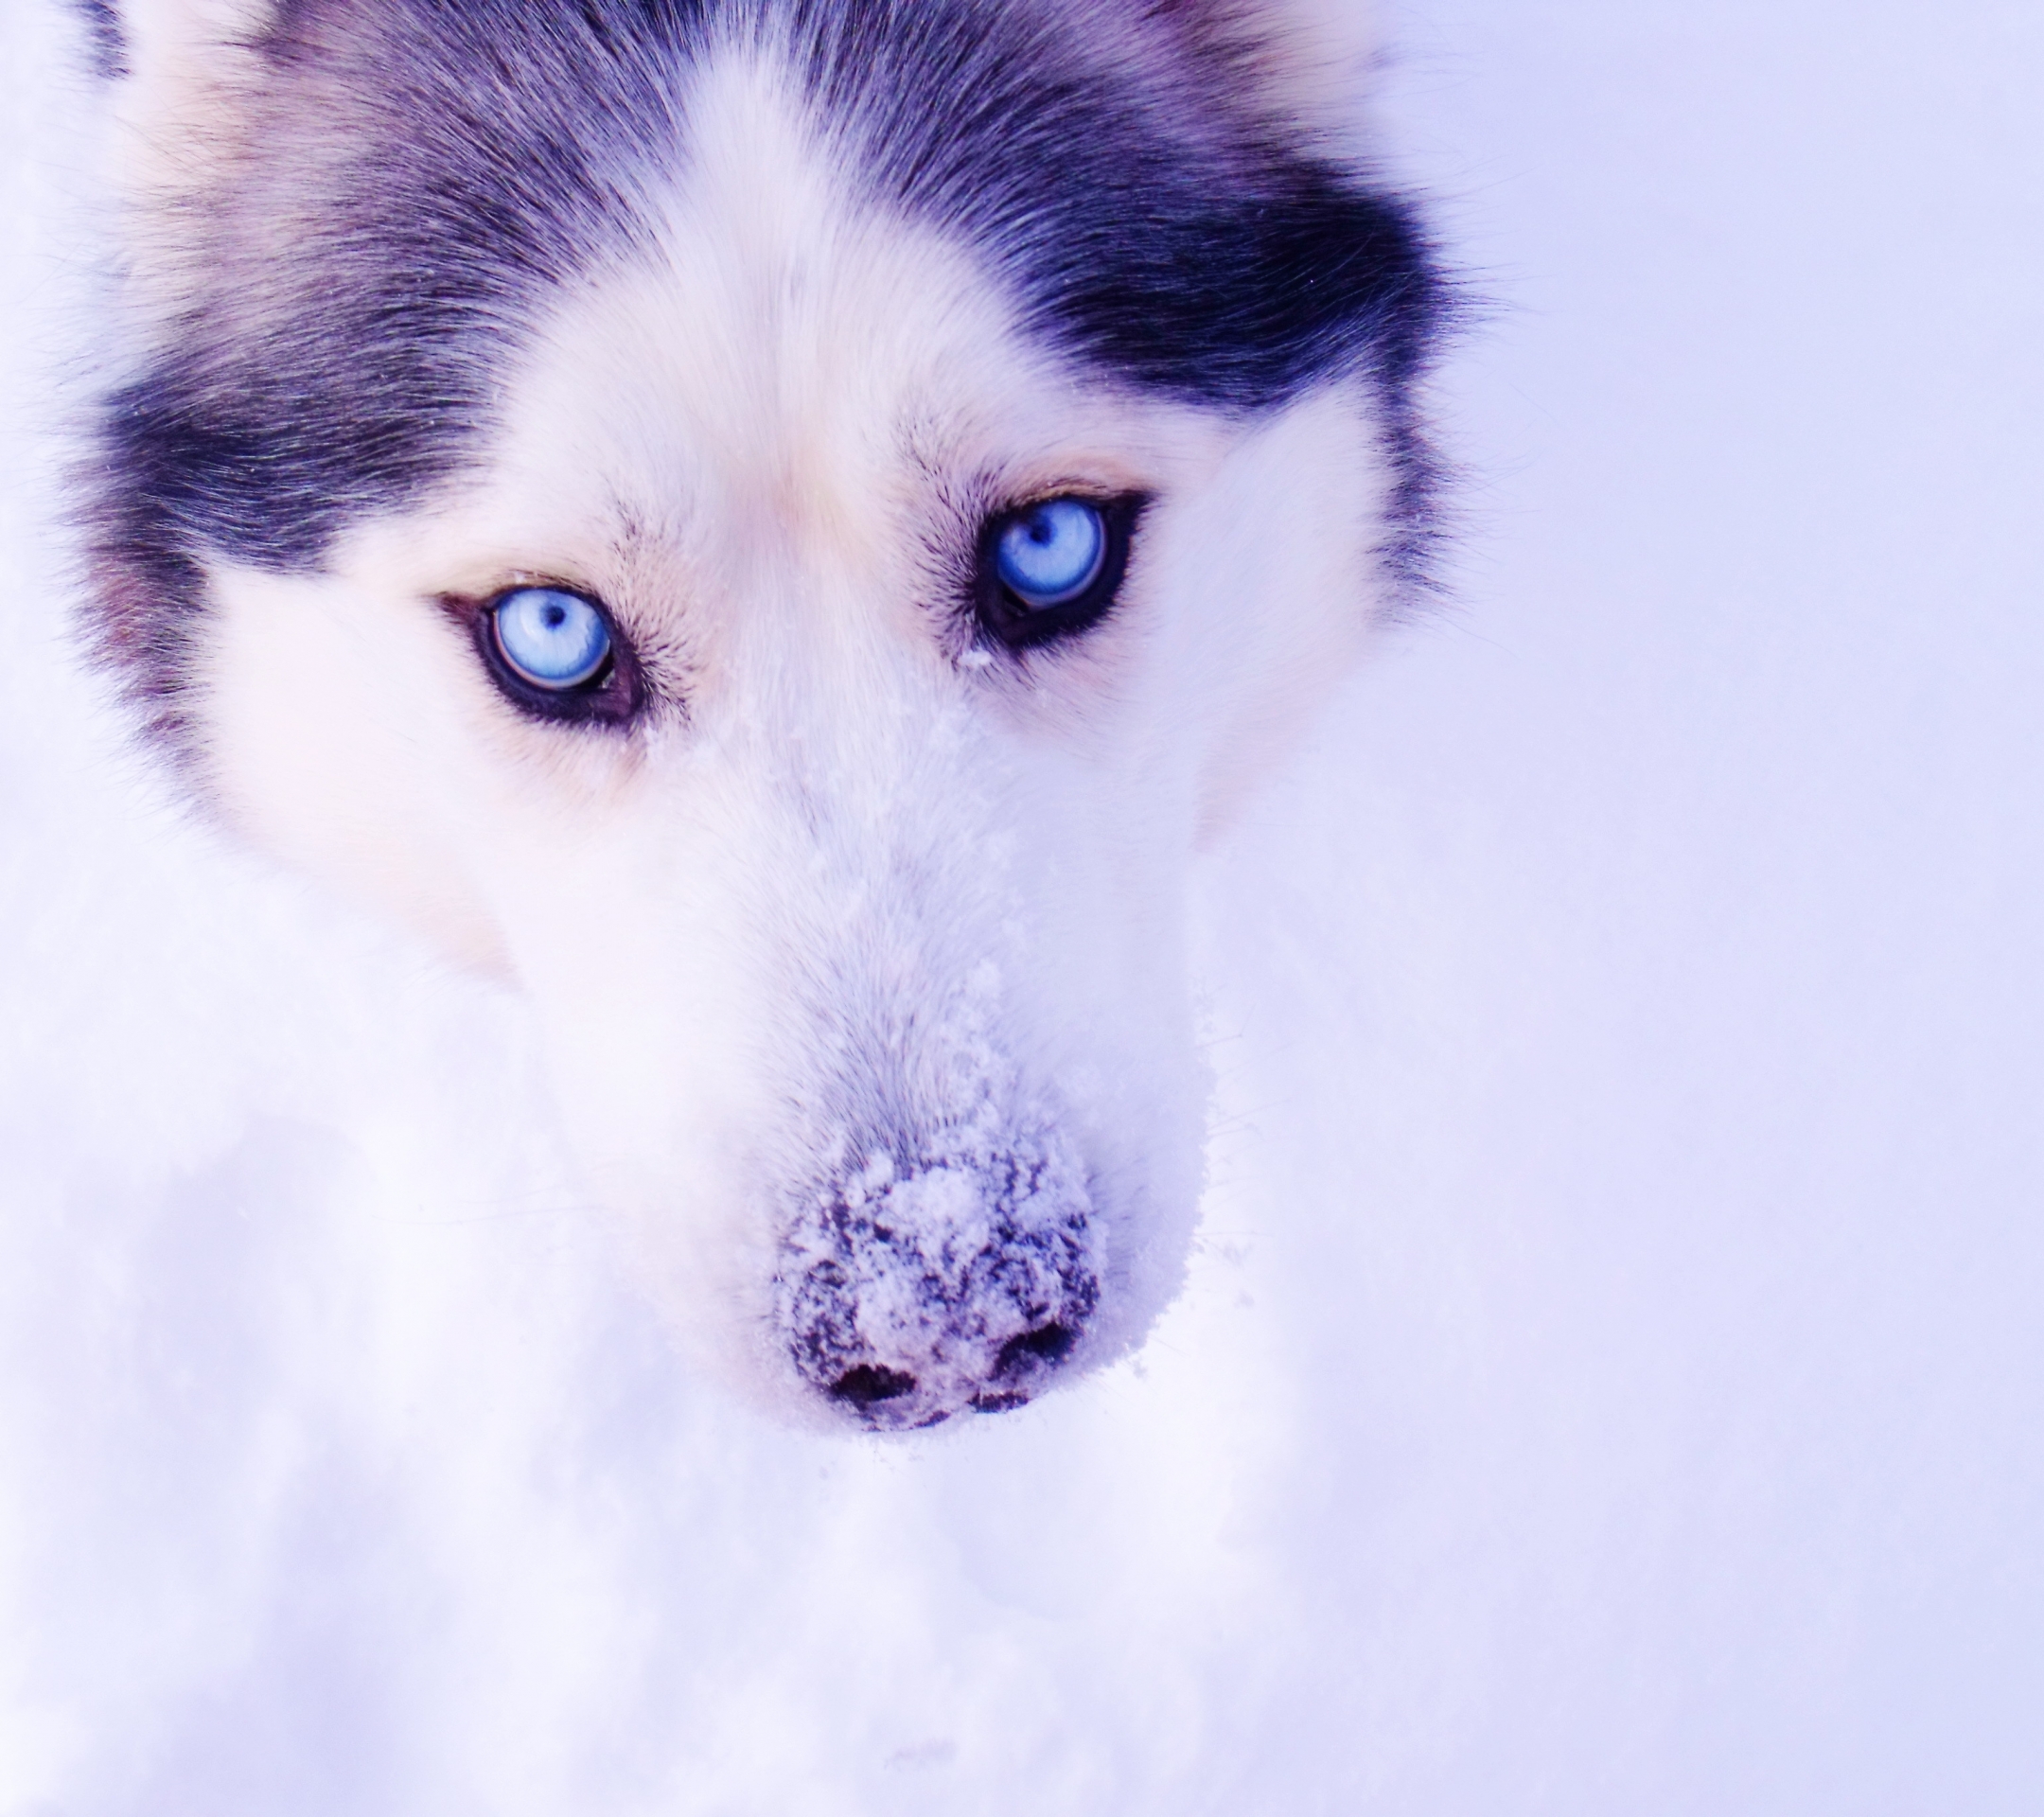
(780, 528)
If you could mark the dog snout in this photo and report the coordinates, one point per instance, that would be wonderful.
(908, 1295)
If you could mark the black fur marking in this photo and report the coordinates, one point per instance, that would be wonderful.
(428, 171)
(1229, 273)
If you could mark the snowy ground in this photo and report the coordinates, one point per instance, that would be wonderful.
(1613, 1378)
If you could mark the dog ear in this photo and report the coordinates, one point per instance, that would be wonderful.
(1308, 62)
(180, 70)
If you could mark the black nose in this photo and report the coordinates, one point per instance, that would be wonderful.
(908, 1294)
(1019, 1369)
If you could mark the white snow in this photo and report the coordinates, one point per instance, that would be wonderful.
(1612, 1376)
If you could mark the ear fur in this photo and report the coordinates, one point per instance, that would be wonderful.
(181, 69)
(1307, 62)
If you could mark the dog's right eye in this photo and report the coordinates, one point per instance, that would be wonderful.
(556, 654)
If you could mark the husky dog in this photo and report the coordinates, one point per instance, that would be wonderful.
(780, 526)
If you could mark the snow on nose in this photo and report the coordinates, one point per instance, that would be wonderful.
(908, 1292)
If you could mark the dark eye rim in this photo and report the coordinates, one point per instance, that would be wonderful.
(613, 696)
(1009, 620)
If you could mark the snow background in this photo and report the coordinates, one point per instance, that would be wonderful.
(1611, 1378)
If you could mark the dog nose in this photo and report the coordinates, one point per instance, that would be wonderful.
(907, 1296)
(1019, 1366)
(884, 1399)
(950, 1377)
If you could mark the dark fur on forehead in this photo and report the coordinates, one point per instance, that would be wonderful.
(418, 175)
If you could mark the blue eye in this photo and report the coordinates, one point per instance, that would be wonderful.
(555, 640)
(1050, 553)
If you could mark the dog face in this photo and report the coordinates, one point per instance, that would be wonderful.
(780, 530)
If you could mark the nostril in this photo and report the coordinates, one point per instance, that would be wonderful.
(1045, 1343)
(868, 1384)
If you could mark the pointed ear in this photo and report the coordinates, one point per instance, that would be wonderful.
(180, 70)
(1308, 62)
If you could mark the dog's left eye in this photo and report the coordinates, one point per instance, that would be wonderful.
(1049, 554)
(1050, 570)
